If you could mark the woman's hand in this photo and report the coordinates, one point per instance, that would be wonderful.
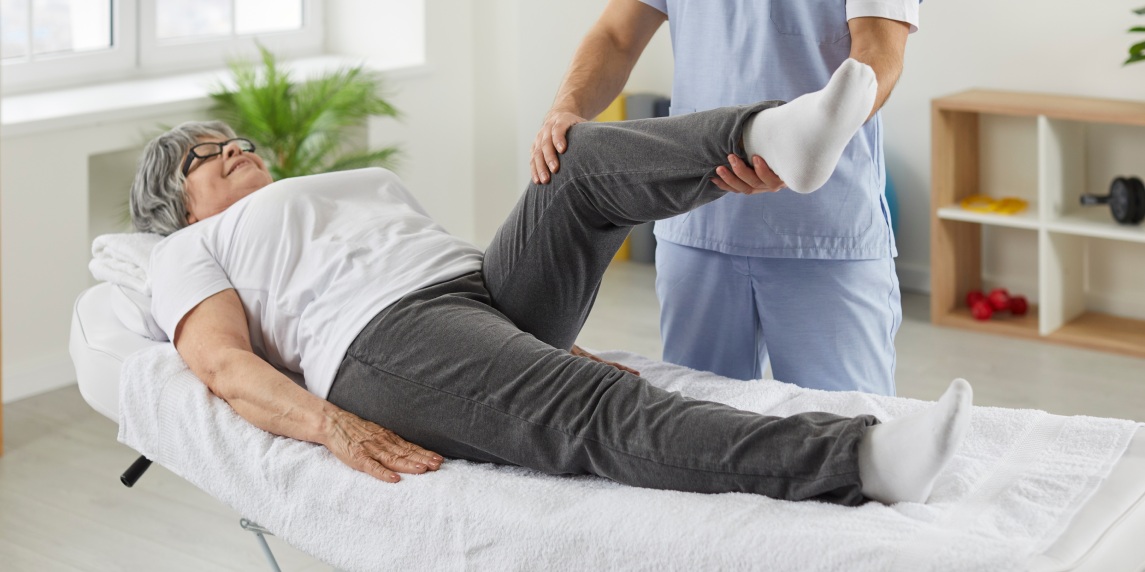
(579, 352)
(374, 450)
(747, 179)
(214, 340)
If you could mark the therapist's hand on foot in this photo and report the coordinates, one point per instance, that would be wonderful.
(375, 450)
(747, 179)
(550, 143)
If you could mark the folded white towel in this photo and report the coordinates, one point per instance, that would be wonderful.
(1014, 484)
(124, 259)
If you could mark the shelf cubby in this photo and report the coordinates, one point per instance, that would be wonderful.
(1048, 150)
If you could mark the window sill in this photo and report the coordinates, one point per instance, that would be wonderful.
(40, 112)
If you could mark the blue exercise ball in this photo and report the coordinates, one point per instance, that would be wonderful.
(892, 204)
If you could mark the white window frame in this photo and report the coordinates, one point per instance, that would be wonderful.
(164, 55)
(54, 70)
(136, 52)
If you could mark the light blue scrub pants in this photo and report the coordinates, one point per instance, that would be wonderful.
(825, 324)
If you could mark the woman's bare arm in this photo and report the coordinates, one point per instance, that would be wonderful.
(213, 339)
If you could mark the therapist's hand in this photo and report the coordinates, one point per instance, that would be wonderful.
(550, 143)
(747, 179)
(374, 450)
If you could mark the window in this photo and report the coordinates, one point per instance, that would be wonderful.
(45, 42)
(190, 32)
(180, 19)
(50, 43)
(50, 27)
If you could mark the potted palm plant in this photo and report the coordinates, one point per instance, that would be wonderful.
(302, 127)
(1137, 50)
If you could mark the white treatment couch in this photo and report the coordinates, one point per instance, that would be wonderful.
(986, 512)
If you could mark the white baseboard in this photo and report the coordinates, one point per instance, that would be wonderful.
(34, 377)
(913, 277)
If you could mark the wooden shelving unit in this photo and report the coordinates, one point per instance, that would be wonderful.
(1062, 227)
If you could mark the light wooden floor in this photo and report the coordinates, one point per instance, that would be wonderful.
(62, 506)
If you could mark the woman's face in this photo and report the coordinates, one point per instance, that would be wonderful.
(218, 182)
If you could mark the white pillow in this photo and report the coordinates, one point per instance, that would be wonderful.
(134, 311)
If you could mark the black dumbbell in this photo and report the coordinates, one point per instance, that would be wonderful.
(1126, 200)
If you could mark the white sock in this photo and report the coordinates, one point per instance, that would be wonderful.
(899, 460)
(803, 139)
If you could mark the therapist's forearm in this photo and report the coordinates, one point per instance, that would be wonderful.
(598, 72)
(881, 44)
(268, 399)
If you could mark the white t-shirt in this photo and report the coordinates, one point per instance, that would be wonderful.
(313, 260)
(900, 10)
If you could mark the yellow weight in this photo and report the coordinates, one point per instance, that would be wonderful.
(978, 203)
(1010, 206)
(1002, 206)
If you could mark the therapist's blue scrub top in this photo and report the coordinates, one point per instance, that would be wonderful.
(734, 52)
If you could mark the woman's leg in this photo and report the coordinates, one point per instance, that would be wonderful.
(444, 370)
(544, 266)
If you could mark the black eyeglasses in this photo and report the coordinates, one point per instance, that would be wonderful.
(204, 151)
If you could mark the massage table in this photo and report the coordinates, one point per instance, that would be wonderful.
(982, 516)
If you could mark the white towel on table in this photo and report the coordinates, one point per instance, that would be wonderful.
(1013, 486)
(124, 259)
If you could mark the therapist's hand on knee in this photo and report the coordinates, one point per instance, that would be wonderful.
(550, 143)
(375, 450)
(747, 179)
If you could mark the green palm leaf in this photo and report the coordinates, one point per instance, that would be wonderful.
(382, 157)
(301, 127)
(1136, 53)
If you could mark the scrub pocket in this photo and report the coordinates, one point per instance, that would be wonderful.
(824, 21)
(843, 208)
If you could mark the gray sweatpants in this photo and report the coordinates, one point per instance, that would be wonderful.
(477, 367)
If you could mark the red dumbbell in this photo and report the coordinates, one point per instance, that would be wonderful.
(973, 297)
(999, 299)
(982, 310)
(1019, 305)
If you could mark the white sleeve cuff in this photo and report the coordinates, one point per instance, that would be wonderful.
(661, 5)
(900, 10)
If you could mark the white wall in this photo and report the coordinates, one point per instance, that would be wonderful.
(46, 228)
(1054, 46)
(497, 85)
(523, 49)
(437, 102)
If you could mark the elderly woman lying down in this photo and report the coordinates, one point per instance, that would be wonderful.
(403, 332)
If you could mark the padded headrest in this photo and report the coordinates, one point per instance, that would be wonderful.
(98, 345)
(134, 312)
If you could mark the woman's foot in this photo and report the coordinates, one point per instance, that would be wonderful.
(802, 140)
(899, 460)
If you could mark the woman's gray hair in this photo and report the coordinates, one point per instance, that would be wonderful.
(158, 197)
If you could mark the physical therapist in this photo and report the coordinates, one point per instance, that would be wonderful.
(805, 280)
